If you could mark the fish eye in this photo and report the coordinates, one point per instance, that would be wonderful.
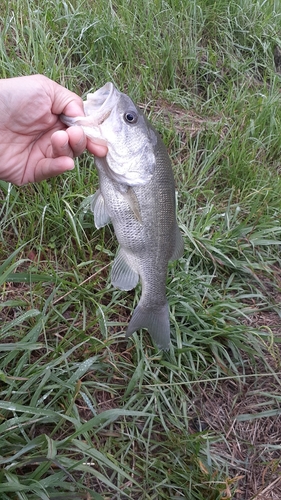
(131, 117)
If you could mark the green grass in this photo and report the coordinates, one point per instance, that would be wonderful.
(83, 413)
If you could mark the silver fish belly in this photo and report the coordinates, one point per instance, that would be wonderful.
(143, 215)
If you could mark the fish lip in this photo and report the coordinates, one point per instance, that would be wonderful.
(101, 102)
(97, 108)
(103, 117)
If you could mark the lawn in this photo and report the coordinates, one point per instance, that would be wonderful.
(84, 413)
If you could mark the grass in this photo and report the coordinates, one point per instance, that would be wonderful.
(84, 413)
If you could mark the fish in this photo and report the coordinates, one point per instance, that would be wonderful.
(136, 195)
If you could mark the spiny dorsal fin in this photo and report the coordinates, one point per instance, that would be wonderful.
(179, 246)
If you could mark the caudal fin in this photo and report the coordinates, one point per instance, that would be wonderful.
(156, 320)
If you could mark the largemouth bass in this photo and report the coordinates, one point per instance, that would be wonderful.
(137, 195)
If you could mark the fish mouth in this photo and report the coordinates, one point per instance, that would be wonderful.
(100, 104)
(97, 109)
(103, 117)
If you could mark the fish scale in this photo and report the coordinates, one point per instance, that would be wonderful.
(137, 195)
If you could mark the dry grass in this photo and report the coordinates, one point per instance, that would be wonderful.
(246, 413)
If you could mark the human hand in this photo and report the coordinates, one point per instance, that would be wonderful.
(34, 143)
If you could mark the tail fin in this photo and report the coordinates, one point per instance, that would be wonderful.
(156, 320)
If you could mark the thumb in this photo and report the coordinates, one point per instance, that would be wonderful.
(65, 101)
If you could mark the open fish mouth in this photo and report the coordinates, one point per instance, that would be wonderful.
(97, 107)
(100, 103)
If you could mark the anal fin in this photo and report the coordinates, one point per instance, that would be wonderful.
(122, 275)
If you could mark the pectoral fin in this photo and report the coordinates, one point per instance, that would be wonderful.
(131, 198)
(122, 275)
(98, 208)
